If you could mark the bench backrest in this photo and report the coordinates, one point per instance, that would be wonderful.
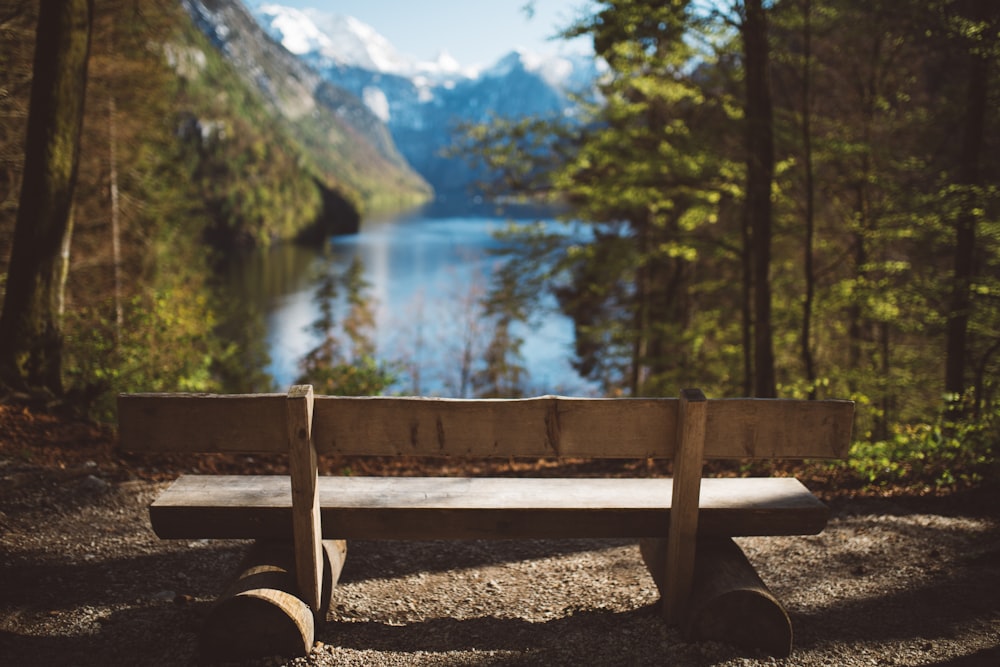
(549, 426)
(688, 430)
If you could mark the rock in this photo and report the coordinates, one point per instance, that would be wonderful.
(94, 485)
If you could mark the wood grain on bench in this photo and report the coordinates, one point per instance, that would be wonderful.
(244, 506)
(549, 426)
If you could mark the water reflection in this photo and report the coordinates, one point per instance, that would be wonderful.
(427, 269)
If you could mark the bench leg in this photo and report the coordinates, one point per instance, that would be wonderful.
(729, 601)
(260, 614)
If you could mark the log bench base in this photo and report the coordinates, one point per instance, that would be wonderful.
(729, 601)
(260, 614)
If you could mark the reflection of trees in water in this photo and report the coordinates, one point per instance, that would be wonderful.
(343, 362)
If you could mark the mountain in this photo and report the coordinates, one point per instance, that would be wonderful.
(323, 39)
(422, 102)
(336, 132)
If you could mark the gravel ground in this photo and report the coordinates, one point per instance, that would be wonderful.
(83, 581)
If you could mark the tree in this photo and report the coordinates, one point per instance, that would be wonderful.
(980, 31)
(343, 363)
(809, 365)
(31, 338)
(502, 375)
(760, 177)
(645, 173)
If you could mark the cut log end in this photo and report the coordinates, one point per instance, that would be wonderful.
(729, 602)
(257, 623)
(260, 614)
(743, 617)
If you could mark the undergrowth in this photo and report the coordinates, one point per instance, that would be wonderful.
(954, 450)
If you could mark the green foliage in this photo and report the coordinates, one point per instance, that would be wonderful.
(165, 339)
(642, 174)
(167, 344)
(507, 303)
(660, 287)
(193, 153)
(256, 185)
(942, 453)
(343, 362)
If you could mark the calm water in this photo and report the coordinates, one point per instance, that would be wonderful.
(426, 268)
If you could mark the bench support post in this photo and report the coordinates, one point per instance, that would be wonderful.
(305, 496)
(692, 413)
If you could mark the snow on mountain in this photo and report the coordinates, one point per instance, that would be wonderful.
(328, 39)
(421, 101)
(563, 73)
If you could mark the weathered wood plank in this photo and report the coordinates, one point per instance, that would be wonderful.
(547, 426)
(246, 506)
(305, 495)
(553, 426)
(679, 565)
(778, 428)
(243, 423)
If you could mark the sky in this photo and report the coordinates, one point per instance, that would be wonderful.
(474, 32)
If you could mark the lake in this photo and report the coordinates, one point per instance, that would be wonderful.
(427, 268)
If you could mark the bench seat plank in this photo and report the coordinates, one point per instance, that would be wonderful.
(246, 506)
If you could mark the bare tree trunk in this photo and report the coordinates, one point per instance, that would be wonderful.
(640, 322)
(760, 175)
(965, 228)
(810, 277)
(116, 232)
(31, 323)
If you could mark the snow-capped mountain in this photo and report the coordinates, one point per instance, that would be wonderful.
(328, 40)
(421, 102)
(313, 105)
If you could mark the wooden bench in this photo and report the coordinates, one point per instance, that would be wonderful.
(682, 521)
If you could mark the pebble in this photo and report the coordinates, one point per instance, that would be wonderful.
(92, 484)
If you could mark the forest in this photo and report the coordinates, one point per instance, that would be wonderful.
(181, 163)
(794, 198)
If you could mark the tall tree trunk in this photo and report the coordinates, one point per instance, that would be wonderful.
(760, 175)
(116, 232)
(746, 309)
(856, 322)
(641, 319)
(888, 398)
(965, 226)
(31, 323)
(810, 277)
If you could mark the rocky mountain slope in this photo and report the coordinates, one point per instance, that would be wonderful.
(334, 129)
(422, 103)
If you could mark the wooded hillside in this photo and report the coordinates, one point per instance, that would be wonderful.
(181, 161)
